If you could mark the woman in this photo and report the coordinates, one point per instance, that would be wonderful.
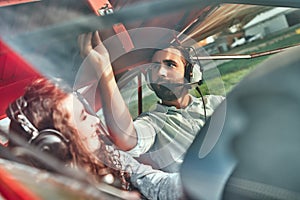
(46, 107)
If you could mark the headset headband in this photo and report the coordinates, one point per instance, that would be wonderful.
(20, 117)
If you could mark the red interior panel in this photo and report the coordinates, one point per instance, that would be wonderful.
(15, 74)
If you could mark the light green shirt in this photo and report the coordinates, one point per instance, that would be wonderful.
(165, 133)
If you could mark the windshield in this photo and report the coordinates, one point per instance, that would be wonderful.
(226, 42)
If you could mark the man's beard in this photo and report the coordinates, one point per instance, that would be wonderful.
(168, 91)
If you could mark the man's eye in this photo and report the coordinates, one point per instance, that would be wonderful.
(171, 64)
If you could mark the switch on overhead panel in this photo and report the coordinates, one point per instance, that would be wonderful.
(103, 7)
(100, 7)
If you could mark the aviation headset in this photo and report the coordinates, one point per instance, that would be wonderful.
(48, 140)
(193, 69)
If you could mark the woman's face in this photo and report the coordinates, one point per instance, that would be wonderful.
(85, 123)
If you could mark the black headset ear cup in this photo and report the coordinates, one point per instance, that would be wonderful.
(188, 72)
(193, 70)
(54, 143)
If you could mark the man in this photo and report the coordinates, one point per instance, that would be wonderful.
(160, 137)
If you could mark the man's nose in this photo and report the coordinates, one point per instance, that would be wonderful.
(162, 71)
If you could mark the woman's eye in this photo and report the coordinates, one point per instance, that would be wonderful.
(83, 115)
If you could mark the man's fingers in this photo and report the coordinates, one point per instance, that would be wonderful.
(87, 40)
(99, 46)
(90, 41)
(97, 38)
(85, 44)
(79, 41)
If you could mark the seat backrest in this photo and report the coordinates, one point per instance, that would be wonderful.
(256, 154)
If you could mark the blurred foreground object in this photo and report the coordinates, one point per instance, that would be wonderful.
(255, 155)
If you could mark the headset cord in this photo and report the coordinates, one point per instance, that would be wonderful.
(204, 106)
(200, 82)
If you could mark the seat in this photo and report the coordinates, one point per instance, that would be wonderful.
(250, 147)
